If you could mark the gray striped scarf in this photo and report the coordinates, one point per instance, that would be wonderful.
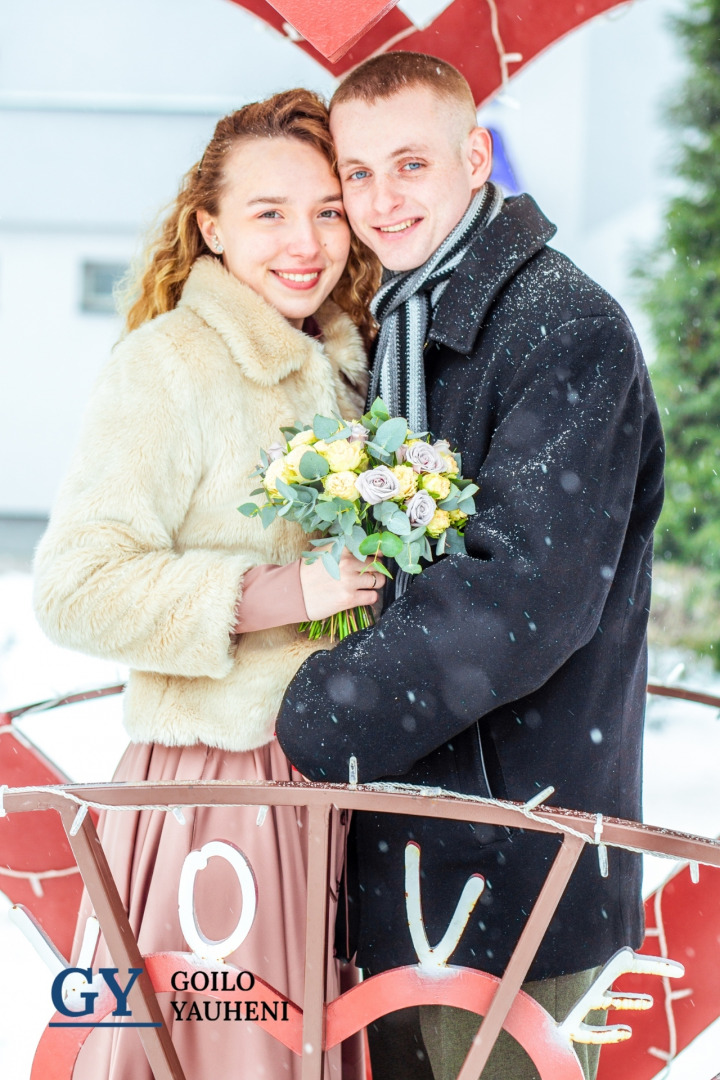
(403, 307)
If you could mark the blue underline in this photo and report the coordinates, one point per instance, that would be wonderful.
(104, 1023)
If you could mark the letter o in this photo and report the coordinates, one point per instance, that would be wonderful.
(202, 947)
(239, 981)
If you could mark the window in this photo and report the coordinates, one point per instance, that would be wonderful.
(98, 282)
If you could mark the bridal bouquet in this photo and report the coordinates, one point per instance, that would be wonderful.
(370, 486)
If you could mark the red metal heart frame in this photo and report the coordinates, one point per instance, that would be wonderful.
(488, 40)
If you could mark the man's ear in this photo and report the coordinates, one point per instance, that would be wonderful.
(480, 156)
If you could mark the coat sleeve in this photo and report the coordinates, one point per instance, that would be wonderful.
(110, 577)
(476, 631)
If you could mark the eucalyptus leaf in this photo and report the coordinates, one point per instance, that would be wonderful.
(441, 541)
(268, 515)
(378, 409)
(326, 511)
(249, 509)
(354, 539)
(455, 543)
(390, 545)
(331, 565)
(399, 524)
(383, 511)
(313, 466)
(285, 490)
(371, 544)
(380, 568)
(343, 433)
(391, 434)
(324, 426)
(379, 453)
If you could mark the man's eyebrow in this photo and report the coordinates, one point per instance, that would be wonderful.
(418, 149)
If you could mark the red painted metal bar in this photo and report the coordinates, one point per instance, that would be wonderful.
(122, 943)
(578, 828)
(107, 691)
(316, 937)
(522, 957)
(684, 694)
(56, 703)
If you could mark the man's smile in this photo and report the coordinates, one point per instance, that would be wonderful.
(401, 226)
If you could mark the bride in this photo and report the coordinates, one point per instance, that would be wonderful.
(250, 313)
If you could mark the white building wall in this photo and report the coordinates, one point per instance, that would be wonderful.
(104, 105)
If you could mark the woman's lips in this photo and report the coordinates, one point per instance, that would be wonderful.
(302, 280)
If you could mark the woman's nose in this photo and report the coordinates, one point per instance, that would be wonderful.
(305, 240)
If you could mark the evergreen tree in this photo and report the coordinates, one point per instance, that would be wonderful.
(682, 295)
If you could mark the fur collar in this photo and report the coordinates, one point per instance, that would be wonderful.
(259, 338)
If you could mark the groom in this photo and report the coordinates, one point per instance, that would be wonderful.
(523, 663)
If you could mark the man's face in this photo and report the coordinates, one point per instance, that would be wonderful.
(409, 166)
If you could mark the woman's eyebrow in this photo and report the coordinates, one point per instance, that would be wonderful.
(267, 199)
(281, 199)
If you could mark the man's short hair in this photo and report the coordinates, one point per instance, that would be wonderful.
(391, 72)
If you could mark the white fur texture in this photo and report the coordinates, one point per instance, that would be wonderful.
(144, 556)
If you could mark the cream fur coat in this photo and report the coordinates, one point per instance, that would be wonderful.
(145, 553)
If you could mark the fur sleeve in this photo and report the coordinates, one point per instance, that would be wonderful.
(109, 578)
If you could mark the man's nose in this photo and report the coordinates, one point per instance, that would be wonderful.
(385, 198)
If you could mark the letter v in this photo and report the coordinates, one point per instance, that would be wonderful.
(438, 955)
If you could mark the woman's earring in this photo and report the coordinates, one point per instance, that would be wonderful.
(218, 246)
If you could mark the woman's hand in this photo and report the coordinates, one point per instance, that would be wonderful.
(324, 596)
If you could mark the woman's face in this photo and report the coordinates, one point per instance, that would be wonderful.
(282, 225)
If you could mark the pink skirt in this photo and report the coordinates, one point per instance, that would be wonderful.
(146, 851)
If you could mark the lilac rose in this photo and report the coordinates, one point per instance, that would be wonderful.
(358, 433)
(421, 509)
(378, 485)
(424, 458)
(277, 450)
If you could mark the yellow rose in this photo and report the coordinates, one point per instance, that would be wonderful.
(457, 516)
(274, 472)
(303, 438)
(439, 523)
(341, 485)
(451, 468)
(407, 480)
(341, 455)
(436, 485)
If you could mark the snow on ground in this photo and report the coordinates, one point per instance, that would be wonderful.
(682, 749)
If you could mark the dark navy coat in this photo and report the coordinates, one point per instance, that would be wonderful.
(523, 663)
